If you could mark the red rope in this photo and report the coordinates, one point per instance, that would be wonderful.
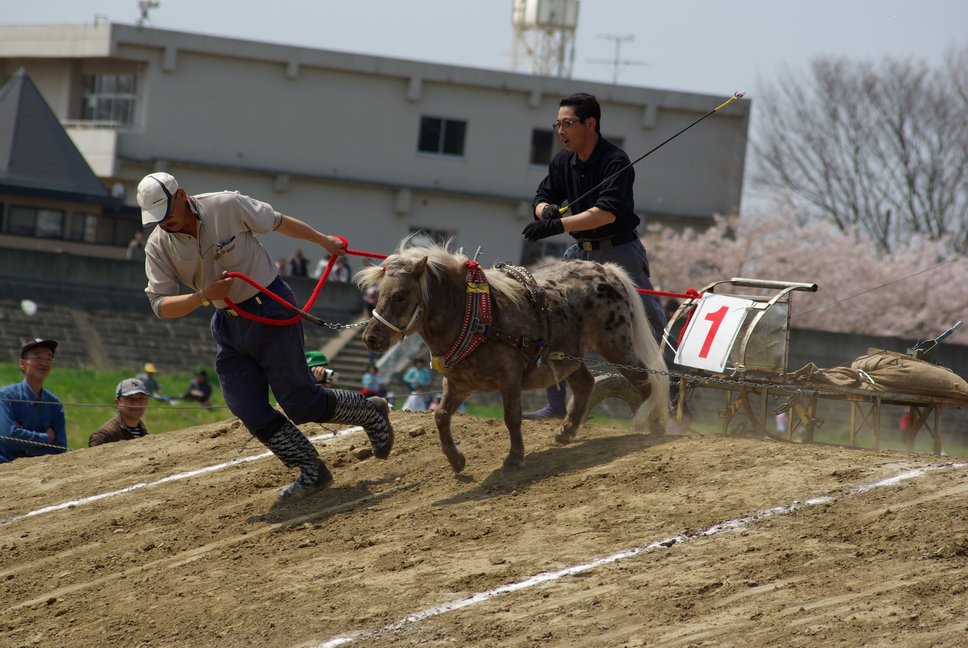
(312, 298)
(691, 293)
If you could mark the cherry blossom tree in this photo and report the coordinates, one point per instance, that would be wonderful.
(917, 291)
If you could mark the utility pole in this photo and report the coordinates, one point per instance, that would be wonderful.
(617, 62)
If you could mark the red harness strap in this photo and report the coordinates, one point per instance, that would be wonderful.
(477, 319)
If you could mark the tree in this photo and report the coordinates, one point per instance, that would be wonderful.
(915, 292)
(881, 147)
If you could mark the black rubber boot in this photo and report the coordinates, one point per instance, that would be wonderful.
(295, 450)
(555, 409)
(372, 414)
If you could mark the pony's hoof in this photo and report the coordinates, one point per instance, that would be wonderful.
(564, 439)
(457, 463)
(513, 463)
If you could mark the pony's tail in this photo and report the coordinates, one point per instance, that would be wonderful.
(654, 411)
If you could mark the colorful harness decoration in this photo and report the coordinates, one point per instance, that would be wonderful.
(477, 319)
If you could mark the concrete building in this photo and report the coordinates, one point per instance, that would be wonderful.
(365, 147)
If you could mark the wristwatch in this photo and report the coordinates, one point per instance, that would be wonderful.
(201, 295)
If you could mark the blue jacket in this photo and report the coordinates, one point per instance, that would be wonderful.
(418, 377)
(24, 422)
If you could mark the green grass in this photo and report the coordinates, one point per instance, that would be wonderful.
(88, 398)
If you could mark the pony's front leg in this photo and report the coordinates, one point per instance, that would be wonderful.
(452, 398)
(511, 395)
(581, 382)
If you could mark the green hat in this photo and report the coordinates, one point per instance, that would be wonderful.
(316, 359)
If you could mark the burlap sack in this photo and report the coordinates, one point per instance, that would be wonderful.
(881, 370)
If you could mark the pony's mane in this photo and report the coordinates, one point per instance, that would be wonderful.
(441, 263)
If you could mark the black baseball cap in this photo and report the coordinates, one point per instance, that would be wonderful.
(37, 342)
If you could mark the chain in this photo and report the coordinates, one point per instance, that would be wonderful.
(691, 378)
(340, 327)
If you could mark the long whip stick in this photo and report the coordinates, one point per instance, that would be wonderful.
(562, 210)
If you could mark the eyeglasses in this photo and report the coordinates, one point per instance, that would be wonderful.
(566, 123)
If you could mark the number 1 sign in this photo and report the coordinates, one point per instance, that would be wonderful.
(712, 331)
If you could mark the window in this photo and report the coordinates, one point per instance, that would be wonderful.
(109, 98)
(83, 227)
(102, 229)
(544, 145)
(441, 136)
(427, 236)
(31, 221)
(50, 223)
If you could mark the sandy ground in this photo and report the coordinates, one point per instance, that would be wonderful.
(616, 540)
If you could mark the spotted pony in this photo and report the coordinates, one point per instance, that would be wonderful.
(590, 307)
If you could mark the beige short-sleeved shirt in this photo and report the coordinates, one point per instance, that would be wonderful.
(227, 227)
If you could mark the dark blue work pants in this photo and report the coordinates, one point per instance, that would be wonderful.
(252, 357)
(633, 259)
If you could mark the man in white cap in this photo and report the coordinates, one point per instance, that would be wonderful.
(131, 398)
(32, 418)
(197, 240)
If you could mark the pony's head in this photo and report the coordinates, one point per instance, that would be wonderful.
(403, 290)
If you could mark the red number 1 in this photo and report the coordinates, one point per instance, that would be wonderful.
(716, 318)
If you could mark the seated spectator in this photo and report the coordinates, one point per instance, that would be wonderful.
(149, 380)
(131, 398)
(32, 418)
(136, 248)
(373, 382)
(418, 378)
(341, 271)
(320, 268)
(298, 264)
(199, 389)
(370, 298)
(319, 366)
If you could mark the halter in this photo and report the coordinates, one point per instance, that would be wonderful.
(396, 329)
(477, 320)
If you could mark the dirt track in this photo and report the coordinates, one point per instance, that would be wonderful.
(213, 560)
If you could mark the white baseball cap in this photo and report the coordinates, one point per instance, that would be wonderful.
(155, 193)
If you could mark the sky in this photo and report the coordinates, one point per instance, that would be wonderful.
(707, 46)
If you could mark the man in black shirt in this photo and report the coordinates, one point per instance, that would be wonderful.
(603, 223)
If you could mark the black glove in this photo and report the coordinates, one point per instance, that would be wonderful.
(550, 212)
(540, 229)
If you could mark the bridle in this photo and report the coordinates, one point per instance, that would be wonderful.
(406, 330)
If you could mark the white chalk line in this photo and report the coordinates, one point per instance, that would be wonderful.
(171, 478)
(545, 577)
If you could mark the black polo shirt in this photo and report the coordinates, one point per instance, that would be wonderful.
(568, 178)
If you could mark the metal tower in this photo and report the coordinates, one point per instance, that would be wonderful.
(544, 36)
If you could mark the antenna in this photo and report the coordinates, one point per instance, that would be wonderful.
(618, 61)
(144, 6)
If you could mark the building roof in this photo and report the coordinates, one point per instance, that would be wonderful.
(36, 153)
